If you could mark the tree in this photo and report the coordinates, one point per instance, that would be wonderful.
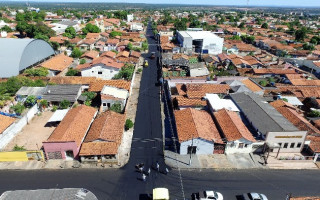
(116, 108)
(145, 45)
(70, 32)
(265, 25)
(125, 72)
(6, 29)
(41, 71)
(129, 46)
(64, 104)
(30, 101)
(55, 45)
(18, 108)
(120, 14)
(263, 83)
(309, 47)
(89, 95)
(315, 40)
(301, 34)
(241, 25)
(43, 103)
(128, 124)
(113, 34)
(76, 53)
(314, 113)
(90, 28)
(82, 61)
(72, 72)
(235, 37)
(60, 12)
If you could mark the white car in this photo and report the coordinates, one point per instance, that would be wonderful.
(207, 195)
(254, 196)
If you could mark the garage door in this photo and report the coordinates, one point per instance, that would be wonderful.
(55, 155)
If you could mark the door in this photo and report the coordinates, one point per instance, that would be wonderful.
(192, 149)
(69, 155)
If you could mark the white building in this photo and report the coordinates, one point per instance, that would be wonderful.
(101, 67)
(112, 95)
(197, 133)
(216, 104)
(130, 18)
(200, 42)
(136, 27)
(60, 27)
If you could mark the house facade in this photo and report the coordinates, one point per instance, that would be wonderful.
(112, 95)
(66, 139)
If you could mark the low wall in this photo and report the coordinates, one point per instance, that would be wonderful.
(21, 156)
(16, 127)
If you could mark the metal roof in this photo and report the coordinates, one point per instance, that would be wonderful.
(263, 116)
(58, 93)
(28, 91)
(58, 115)
(18, 54)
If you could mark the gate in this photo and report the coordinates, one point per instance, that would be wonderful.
(218, 149)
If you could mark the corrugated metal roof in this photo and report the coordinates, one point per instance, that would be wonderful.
(28, 91)
(116, 92)
(18, 54)
(58, 115)
(57, 93)
(262, 115)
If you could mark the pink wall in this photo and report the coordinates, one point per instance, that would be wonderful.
(62, 147)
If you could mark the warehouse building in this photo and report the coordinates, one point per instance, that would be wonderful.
(204, 42)
(18, 54)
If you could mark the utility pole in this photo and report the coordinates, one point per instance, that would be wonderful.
(191, 152)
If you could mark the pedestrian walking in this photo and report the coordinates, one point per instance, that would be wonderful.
(149, 171)
(167, 171)
(158, 166)
(144, 177)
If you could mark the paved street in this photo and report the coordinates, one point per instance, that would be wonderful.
(124, 183)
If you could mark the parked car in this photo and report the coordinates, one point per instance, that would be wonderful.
(254, 196)
(207, 195)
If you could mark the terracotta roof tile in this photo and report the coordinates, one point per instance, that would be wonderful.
(251, 85)
(101, 60)
(98, 148)
(200, 90)
(192, 123)
(123, 54)
(135, 54)
(88, 41)
(184, 101)
(93, 36)
(98, 85)
(274, 71)
(232, 126)
(74, 125)
(91, 54)
(5, 122)
(58, 63)
(109, 54)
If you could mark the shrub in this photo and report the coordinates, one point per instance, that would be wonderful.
(76, 53)
(30, 101)
(284, 99)
(87, 103)
(263, 83)
(314, 113)
(89, 95)
(116, 108)
(54, 108)
(72, 72)
(125, 72)
(18, 109)
(128, 124)
(64, 104)
(18, 148)
(37, 71)
(82, 61)
(43, 103)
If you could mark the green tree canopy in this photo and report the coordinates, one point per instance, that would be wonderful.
(265, 25)
(90, 28)
(70, 32)
(301, 34)
(41, 71)
(76, 53)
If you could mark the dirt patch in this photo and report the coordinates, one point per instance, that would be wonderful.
(33, 134)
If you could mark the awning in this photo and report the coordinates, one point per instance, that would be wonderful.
(58, 115)
(160, 194)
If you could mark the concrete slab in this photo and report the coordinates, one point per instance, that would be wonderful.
(175, 160)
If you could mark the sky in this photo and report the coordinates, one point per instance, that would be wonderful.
(295, 3)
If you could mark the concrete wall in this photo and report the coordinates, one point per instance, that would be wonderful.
(61, 147)
(107, 72)
(294, 137)
(21, 156)
(203, 146)
(106, 101)
(16, 127)
(235, 148)
(214, 45)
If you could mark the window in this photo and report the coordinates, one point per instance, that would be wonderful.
(192, 149)
(104, 104)
(240, 145)
(246, 145)
(285, 145)
(299, 145)
(108, 105)
(292, 145)
(100, 72)
(280, 144)
(92, 71)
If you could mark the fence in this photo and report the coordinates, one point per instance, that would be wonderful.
(15, 128)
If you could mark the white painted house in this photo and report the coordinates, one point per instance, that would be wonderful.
(196, 131)
(112, 95)
(102, 67)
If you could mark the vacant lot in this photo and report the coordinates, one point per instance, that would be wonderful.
(33, 134)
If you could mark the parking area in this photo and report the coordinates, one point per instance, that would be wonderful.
(33, 134)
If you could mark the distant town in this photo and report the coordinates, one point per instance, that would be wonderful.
(159, 102)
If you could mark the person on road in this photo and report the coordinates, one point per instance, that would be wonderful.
(166, 171)
(149, 171)
(158, 166)
(144, 177)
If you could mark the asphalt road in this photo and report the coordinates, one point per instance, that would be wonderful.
(125, 183)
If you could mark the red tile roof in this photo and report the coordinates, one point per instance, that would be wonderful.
(74, 126)
(91, 54)
(58, 63)
(192, 123)
(98, 85)
(232, 126)
(5, 122)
